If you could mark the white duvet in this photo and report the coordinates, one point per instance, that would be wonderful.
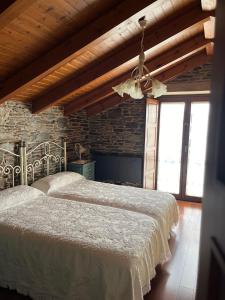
(56, 249)
(159, 205)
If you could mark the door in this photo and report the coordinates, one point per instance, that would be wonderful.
(182, 146)
(151, 130)
(211, 276)
(195, 150)
(170, 146)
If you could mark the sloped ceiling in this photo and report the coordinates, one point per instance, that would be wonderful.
(71, 52)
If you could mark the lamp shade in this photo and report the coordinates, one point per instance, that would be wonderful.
(130, 87)
(158, 88)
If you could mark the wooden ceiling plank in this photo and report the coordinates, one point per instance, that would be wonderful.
(72, 47)
(5, 4)
(153, 36)
(182, 67)
(152, 64)
(14, 10)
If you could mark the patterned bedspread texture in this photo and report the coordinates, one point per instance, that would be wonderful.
(56, 249)
(159, 205)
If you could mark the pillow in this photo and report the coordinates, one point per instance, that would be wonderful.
(17, 195)
(51, 183)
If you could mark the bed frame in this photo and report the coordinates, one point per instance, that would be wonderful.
(10, 170)
(27, 163)
(48, 155)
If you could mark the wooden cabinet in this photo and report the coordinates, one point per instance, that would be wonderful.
(87, 169)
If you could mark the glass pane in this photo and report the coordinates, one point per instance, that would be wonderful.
(170, 145)
(197, 148)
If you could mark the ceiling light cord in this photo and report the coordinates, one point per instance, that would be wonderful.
(140, 74)
(141, 71)
(142, 38)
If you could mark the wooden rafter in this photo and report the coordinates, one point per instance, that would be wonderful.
(208, 5)
(177, 52)
(153, 36)
(182, 67)
(12, 9)
(72, 47)
(210, 49)
(209, 28)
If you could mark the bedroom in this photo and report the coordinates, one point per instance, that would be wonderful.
(64, 66)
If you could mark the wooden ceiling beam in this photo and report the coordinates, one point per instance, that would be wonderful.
(153, 63)
(12, 9)
(209, 28)
(186, 65)
(172, 72)
(210, 49)
(128, 51)
(73, 46)
(208, 5)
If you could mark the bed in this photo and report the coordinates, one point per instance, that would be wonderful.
(50, 157)
(56, 249)
(72, 186)
(53, 249)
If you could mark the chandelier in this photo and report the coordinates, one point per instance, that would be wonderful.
(140, 76)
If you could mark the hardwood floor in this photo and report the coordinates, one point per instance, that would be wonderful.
(176, 280)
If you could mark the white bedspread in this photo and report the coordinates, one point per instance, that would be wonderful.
(56, 249)
(159, 205)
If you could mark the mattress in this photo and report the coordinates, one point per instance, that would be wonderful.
(56, 249)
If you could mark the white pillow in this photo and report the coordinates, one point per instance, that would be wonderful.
(51, 183)
(18, 195)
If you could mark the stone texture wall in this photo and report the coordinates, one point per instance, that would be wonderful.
(17, 123)
(120, 129)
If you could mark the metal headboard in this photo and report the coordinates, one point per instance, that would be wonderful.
(48, 156)
(10, 170)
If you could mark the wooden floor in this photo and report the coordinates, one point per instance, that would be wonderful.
(176, 280)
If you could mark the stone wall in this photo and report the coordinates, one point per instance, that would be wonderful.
(200, 73)
(120, 129)
(17, 123)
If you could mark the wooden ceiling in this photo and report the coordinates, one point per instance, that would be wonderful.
(71, 52)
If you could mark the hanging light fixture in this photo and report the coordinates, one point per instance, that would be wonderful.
(140, 74)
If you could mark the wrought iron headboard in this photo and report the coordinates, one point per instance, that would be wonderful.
(48, 157)
(10, 169)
